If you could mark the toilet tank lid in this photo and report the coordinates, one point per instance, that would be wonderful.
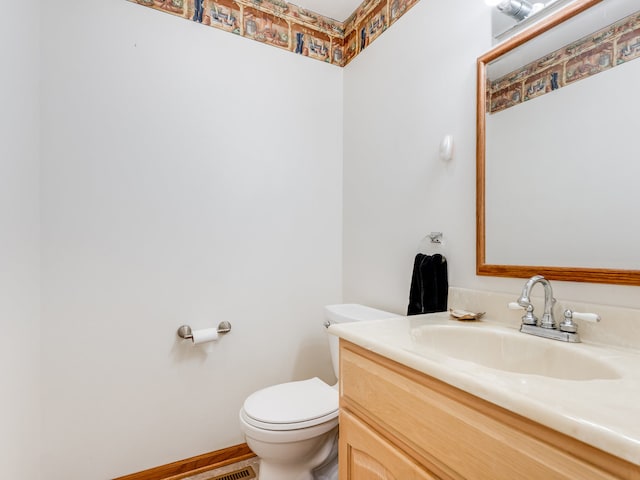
(354, 312)
(293, 402)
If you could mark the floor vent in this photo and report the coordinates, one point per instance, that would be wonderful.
(243, 474)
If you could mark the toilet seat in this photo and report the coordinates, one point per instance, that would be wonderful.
(291, 406)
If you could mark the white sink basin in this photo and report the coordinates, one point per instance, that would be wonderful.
(510, 351)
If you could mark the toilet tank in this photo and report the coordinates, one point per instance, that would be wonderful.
(345, 313)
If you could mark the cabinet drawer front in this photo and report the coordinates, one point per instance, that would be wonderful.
(428, 416)
(365, 455)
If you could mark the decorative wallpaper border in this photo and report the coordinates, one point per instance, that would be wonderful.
(289, 27)
(607, 48)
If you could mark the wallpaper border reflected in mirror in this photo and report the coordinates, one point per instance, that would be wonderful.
(576, 274)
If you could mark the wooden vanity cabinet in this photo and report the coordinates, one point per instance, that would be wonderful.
(399, 424)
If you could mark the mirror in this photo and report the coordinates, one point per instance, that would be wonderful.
(557, 154)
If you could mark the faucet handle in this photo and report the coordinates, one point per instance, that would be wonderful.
(568, 324)
(587, 317)
(528, 318)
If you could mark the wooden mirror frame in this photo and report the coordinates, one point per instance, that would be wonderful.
(574, 274)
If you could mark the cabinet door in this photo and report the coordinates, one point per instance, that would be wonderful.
(365, 455)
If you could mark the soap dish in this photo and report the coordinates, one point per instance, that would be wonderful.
(465, 315)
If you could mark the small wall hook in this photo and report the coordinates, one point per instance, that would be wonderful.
(446, 148)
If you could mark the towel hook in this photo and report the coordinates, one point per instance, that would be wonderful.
(435, 244)
(436, 237)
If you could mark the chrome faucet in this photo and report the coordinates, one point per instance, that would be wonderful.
(524, 301)
(567, 331)
(547, 328)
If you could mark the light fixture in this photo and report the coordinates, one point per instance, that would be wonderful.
(518, 9)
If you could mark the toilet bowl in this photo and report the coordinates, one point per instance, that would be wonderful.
(292, 427)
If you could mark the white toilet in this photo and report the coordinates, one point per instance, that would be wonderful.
(293, 427)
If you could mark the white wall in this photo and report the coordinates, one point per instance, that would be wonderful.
(19, 247)
(411, 87)
(401, 96)
(188, 176)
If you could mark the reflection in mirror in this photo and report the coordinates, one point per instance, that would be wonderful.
(556, 148)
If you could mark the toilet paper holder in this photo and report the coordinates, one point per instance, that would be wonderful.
(185, 330)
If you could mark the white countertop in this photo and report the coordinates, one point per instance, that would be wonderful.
(604, 413)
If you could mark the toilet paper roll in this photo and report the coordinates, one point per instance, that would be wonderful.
(205, 335)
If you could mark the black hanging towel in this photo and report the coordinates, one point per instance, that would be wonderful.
(429, 285)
